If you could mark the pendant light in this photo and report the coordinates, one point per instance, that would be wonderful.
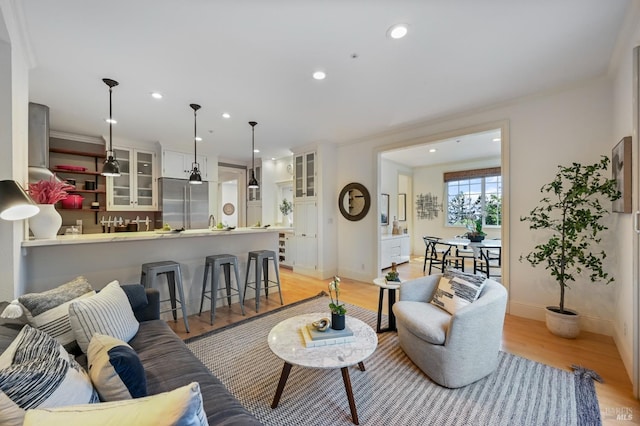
(253, 183)
(15, 204)
(111, 166)
(195, 177)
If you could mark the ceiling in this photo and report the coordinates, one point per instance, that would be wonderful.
(254, 59)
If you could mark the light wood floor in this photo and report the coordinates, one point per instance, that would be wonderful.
(524, 337)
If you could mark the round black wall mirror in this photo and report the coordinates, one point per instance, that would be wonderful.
(354, 201)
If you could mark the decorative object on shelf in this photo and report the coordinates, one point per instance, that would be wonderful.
(570, 217)
(72, 201)
(337, 310)
(46, 193)
(322, 324)
(396, 227)
(427, 206)
(253, 183)
(15, 204)
(621, 157)
(89, 185)
(195, 177)
(393, 275)
(286, 207)
(111, 166)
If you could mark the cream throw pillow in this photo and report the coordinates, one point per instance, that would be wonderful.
(182, 406)
(108, 312)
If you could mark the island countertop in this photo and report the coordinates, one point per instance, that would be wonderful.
(144, 235)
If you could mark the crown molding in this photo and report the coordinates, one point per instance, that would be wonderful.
(13, 13)
(78, 138)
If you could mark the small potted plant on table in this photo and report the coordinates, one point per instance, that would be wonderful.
(337, 310)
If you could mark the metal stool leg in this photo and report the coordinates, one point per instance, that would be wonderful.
(204, 286)
(227, 278)
(178, 282)
(215, 273)
(258, 275)
(171, 282)
(246, 279)
(240, 295)
(276, 266)
(265, 274)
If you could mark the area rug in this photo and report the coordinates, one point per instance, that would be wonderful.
(392, 390)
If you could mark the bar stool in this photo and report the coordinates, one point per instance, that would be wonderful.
(213, 264)
(261, 259)
(149, 276)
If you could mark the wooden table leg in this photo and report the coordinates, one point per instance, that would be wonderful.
(286, 369)
(361, 366)
(347, 386)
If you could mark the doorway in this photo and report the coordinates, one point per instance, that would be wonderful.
(231, 208)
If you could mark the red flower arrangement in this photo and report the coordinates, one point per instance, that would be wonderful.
(49, 191)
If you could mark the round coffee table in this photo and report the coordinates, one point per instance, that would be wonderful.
(286, 342)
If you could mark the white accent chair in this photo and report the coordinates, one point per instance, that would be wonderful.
(453, 350)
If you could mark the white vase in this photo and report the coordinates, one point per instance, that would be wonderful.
(45, 225)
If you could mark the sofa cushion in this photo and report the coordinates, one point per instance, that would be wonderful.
(49, 310)
(456, 290)
(107, 312)
(424, 320)
(115, 369)
(36, 371)
(169, 364)
(182, 406)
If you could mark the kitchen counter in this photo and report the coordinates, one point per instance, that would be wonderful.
(142, 236)
(102, 258)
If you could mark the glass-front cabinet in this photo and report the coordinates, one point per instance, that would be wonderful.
(135, 188)
(305, 175)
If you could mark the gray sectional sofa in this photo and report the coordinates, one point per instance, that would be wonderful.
(167, 361)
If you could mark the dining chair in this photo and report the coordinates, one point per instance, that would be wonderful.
(489, 262)
(440, 256)
(428, 242)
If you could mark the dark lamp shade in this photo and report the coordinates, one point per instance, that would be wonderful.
(15, 204)
(195, 178)
(111, 167)
(253, 183)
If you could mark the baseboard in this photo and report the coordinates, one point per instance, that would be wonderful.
(626, 354)
(587, 323)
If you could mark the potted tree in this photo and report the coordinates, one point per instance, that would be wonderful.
(571, 215)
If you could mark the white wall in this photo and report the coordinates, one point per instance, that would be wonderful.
(625, 324)
(229, 194)
(544, 131)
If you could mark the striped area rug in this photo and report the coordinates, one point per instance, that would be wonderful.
(392, 390)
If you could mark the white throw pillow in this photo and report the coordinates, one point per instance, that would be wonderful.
(107, 312)
(115, 369)
(456, 290)
(182, 406)
(36, 371)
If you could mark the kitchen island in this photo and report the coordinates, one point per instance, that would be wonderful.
(102, 258)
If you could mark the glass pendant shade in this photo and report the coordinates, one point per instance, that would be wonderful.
(195, 178)
(111, 166)
(15, 204)
(253, 182)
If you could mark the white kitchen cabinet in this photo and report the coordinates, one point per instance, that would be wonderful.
(394, 248)
(305, 219)
(305, 175)
(136, 187)
(179, 164)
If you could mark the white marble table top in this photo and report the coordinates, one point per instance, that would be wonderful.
(286, 342)
(382, 282)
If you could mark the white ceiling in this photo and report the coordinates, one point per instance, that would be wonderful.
(254, 59)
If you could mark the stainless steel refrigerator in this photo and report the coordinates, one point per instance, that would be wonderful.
(184, 205)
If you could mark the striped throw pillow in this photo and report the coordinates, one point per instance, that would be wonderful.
(49, 310)
(456, 290)
(108, 312)
(36, 371)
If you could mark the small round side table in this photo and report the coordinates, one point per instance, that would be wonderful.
(391, 299)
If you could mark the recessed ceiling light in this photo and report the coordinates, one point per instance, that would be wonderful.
(273, 158)
(198, 139)
(398, 31)
(226, 115)
(111, 120)
(156, 95)
(256, 150)
(496, 139)
(319, 75)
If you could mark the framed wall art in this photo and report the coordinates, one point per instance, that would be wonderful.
(621, 172)
(384, 209)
